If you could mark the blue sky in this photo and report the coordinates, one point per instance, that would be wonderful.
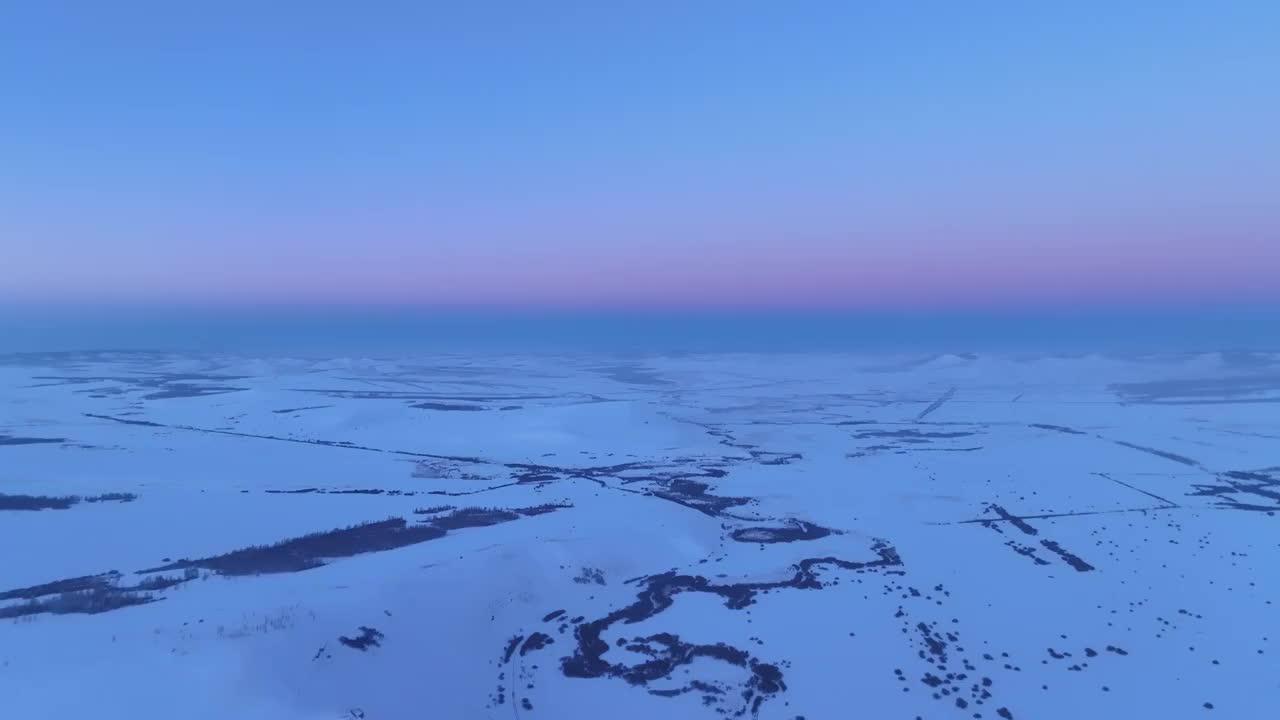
(651, 155)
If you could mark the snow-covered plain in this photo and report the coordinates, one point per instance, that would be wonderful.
(698, 536)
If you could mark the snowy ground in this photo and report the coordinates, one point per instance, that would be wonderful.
(810, 536)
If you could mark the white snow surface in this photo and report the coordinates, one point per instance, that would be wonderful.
(956, 536)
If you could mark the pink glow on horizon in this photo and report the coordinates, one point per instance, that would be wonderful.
(624, 258)
(921, 277)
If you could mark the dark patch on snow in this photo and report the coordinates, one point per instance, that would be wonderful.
(590, 576)
(89, 594)
(693, 494)
(85, 602)
(760, 457)
(1262, 491)
(794, 531)
(1014, 520)
(368, 637)
(1070, 558)
(36, 502)
(933, 407)
(543, 509)
(911, 434)
(176, 391)
(287, 411)
(344, 491)
(418, 396)
(512, 644)
(44, 502)
(1020, 522)
(1057, 428)
(69, 585)
(312, 551)
(474, 517)
(111, 497)
(536, 641)
(768, 457)
(9, 440)
(1159, 453)
(446, 407)
(1026, 551)
(666, 652)
(484, 517)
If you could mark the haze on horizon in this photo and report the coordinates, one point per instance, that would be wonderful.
(654, 156)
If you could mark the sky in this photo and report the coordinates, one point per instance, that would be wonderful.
(645, 155)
